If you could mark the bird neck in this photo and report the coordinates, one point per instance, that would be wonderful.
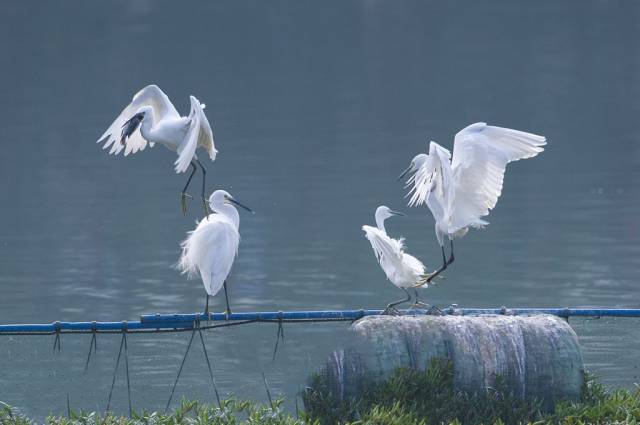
(229, 212)
(146, 128)
(380, 222)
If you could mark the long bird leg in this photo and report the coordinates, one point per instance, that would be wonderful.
(391, 309)
(427, 278)
(451, 257)
(418, 303)
(445, 263)
(444, 266)
(206, 306)
(184, 195)
(432, 310)
(226, 296)
(205, 204)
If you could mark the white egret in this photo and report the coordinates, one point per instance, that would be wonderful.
(461, 190)
(210, 249)
(402, 269)
(159, 122)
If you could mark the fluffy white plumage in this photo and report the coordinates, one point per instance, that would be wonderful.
(402, 269)
(210, 250)
(161, 123)
(461, 190)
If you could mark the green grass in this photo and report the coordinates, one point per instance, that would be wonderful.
(428, 395)
(231, 412)
(408, 397)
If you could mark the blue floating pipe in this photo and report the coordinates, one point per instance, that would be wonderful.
(89, 326)
(267, 316)
(167, 322)
(357, 314)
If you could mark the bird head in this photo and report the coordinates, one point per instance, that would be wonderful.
(385, 212)
(382, 213)
(415, 164)
(221, 197)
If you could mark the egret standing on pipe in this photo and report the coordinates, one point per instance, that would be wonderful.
(159, 122)
(461, 190)
(209, 250)
(402, 269)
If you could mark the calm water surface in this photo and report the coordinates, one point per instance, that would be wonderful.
(316, 107)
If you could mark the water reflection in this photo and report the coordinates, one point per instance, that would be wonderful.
(315, 110)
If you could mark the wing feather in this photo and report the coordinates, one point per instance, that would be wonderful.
(413, 263)
(480, 156)
(385, 248)
(205, 137)
(421, 186)
(149, 96)
(433, 175)
(199, 134)
(401, 268)
(209, 251)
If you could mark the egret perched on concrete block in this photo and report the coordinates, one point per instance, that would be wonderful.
(461, 190)
(402, 269)
(210, 249)
(159, 122)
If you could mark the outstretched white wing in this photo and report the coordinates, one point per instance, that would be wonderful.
(396, 264)
(209, 251)
(480, 156)
(383, 246)
(149, 96)
(199, 134)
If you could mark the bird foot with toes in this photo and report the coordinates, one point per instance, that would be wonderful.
(428, 279)
(183, 202)
(434, 311)
(390, 311)
(207, 210)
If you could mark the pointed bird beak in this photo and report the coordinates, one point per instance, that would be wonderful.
(397, 213)
(233, 201)
(405, 172)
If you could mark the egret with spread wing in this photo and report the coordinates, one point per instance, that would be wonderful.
(209, 250)
(461, 190)
(158, 121)
(402, 269)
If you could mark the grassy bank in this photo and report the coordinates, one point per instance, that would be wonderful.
(428, 397)
(408, 397)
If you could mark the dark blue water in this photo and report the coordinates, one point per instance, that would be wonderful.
(316, 107)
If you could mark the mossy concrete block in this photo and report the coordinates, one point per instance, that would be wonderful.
(534, 356)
